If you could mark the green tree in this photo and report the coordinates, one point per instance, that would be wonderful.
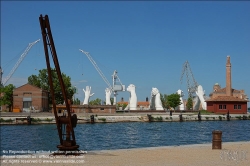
(97, 101)
(189, 103)
(164, 101)
(42, 81)
(173, 100)
(76, 101)
(112, 100)
(124, 105)
(6, 97)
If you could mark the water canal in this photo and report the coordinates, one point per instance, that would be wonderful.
(105, 136)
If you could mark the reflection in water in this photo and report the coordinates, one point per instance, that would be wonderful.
(123, 135)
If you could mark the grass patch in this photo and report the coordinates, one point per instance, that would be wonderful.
(238, 117)
(157, 118)
(47, 119)
(36, 120)
(6, 120)
(102, 119)
(205, 112)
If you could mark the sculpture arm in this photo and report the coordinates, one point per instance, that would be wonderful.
(87, 94)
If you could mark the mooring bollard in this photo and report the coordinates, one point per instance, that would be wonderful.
(180, 117)
(217, 139)
(28, 120)
(170, 112)
(149, 117)
(199, 116)
(228, 116)
(92, 118)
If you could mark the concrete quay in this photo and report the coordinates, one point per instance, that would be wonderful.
(47, 117)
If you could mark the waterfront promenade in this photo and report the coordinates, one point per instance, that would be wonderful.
(231, 154)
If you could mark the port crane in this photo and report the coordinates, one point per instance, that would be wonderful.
(193, 88)
(18, 62)
(115, 87)
(191, 82)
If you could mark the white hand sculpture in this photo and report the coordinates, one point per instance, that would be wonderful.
(87, 95)
(201, 93)
(108, 94)
(181, 106)
(133, 98)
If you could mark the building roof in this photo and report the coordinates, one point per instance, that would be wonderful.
(31, 87)
(226, 98)
(141, 103)
(223, 90)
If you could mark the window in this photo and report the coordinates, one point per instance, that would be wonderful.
(222, 107)
(27, 104)
(237, 107)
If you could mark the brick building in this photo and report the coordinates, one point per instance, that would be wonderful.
(227, 99)
(29, 97)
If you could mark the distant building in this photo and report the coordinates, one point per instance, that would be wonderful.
(227, 99)
(141, 105)
(30, 98)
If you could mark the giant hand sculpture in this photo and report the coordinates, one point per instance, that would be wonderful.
(108, 94)
(155, 94)
(201, 93)
(180, 92)
(197, 103)
(132, 104)
(87, 95)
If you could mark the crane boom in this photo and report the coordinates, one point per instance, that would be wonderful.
(191, 86)
(19, 61)
(97, 68)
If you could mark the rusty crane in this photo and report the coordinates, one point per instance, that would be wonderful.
(67, 122)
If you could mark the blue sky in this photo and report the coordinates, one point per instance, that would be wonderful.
(146, 42)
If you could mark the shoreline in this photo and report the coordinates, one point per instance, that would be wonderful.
(48, 118)
(232, 153)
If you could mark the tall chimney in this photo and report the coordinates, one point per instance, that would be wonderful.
(228, 77)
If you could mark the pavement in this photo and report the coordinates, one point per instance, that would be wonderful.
(231, 154)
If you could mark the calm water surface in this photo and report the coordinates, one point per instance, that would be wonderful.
(104, 136)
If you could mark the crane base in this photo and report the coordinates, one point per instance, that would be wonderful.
(68, 148)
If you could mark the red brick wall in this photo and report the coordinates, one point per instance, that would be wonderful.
(38, 96)
(89, 109)
(214, 107)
